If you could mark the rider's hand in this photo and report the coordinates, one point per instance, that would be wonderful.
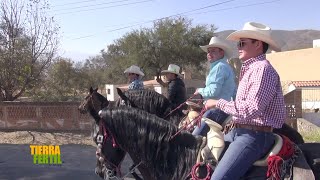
(211, 103)
(196, 92)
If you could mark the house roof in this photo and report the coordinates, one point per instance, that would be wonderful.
(306, 83)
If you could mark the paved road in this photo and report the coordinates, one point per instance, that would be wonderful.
(78, 162)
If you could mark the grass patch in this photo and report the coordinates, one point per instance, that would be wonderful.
(311, 137)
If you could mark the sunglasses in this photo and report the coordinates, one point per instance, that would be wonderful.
(243, 43)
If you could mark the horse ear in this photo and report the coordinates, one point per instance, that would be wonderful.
(122, 96)
(96, 89)
(91, 90)
(120, 93)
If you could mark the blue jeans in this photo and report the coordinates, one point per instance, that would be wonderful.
(246, 147)
(214, 114)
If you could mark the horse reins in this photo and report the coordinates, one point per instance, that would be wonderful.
(197, 120)
(180, 106)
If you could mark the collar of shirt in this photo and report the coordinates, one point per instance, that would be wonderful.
(216, 62)
(254, 59)
(246, 64)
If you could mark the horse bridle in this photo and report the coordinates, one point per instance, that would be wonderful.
(109, 167)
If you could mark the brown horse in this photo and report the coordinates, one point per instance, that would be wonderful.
(150, 140)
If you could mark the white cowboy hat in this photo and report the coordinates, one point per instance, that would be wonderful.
(134, 69)
(175, 69)
(257, 31)
(219, 43)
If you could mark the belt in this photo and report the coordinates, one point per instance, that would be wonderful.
(254, 128)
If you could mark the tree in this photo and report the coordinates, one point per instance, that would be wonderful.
(171, 40)
(95, 69)
(64, 81)
(28, 43)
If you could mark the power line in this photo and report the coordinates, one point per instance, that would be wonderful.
(187, 13)
(138, 2)
(93, 5)
(145, 22)
(241, 6)
(79, 2)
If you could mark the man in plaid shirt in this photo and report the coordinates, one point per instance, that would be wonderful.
(259, 105)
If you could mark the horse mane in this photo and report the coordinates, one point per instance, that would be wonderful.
(154, 103)
(148, 137)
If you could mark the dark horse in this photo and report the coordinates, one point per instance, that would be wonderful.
(147, 100)
(93, 103)
(149, 139)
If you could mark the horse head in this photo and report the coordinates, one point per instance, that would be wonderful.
(93, 102)
(113, 156)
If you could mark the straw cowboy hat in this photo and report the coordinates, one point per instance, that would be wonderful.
(219, 43)
(175, 69)
(257, 31)
(134, 69)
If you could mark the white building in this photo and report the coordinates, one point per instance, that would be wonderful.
(316, 43)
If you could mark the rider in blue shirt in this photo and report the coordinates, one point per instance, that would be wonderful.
(220, 82)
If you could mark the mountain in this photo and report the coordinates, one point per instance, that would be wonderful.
(288, 40)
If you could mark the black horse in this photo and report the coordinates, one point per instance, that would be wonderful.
(150, 140)
(113, 156)
(147, 100)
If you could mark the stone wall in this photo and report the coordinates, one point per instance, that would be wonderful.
(45, 116)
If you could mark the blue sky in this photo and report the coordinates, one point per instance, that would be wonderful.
(92, 28)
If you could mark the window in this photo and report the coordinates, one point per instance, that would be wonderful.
(108, 91)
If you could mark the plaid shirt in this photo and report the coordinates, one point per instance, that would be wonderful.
(136, 84)
(259, 99)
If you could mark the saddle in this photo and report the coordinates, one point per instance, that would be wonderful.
(216, 144)
(193, 113)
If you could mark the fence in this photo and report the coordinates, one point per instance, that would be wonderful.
(43, 116)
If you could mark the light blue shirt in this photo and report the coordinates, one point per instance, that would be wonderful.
(220, 82)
